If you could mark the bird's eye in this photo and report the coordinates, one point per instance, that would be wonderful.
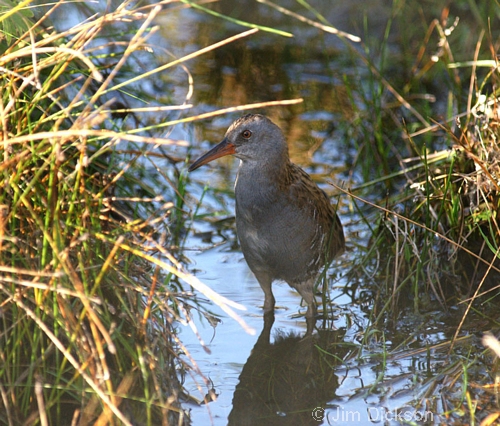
(246, 134)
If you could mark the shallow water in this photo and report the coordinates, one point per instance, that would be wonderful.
(314, 380)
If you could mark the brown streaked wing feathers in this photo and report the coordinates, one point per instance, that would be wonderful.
(307, 195)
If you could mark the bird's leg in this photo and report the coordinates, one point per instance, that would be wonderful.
(306, 290)
(311, 309)
(265, 282)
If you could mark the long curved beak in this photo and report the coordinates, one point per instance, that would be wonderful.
(220, 150)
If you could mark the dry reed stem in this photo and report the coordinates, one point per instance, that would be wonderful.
(221, 301)
(326, 28)
(70, 134)
(238, 108)
(185, 58)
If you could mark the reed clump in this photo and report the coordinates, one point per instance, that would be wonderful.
(453, 204)
(438, 230)
(430, 265)
(89, 287)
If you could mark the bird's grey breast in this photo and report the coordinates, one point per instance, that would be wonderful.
(255, 215)
(276, 234)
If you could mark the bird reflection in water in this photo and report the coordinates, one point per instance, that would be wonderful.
(283, 382)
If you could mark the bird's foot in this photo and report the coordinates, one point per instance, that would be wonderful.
(311, 316)
(268, 319)
(311, 324)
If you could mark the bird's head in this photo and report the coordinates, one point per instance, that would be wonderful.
(252, 138)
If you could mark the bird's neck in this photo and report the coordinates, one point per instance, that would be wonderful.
(259, 189)
(269, 175)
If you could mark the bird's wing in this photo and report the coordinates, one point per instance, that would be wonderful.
(307, 195)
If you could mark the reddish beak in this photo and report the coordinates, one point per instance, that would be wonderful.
(220, 150)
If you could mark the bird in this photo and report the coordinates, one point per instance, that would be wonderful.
(287, 228)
